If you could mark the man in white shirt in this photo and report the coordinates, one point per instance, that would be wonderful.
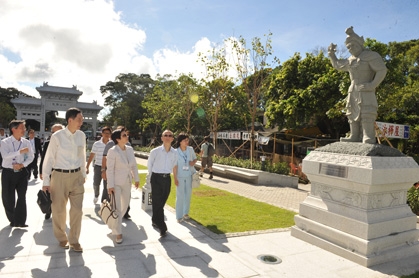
(64, 173)
(160, 164)
(97, 153)
(17, 155)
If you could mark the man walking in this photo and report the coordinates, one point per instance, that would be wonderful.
(17, 155)
(161, 163)
(206, 158)
(64, 173)
(37, 150)
(54, 128)
(97, 153)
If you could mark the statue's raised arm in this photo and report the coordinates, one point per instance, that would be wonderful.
(367, 70)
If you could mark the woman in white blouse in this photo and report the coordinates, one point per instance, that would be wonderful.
(121, 170)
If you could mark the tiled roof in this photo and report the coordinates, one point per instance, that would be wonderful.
(55, 89)
(26, 100)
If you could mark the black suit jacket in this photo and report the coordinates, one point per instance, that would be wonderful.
(38, 147)
(44, 151)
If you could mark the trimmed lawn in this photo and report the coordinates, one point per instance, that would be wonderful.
(224, 212)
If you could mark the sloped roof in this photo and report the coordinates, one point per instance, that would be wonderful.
(26, 100)
(45, 88)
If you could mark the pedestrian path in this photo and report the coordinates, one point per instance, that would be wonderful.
(186, 251)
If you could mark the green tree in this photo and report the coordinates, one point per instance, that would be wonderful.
(253, 70)
(219, 87)
(8, 111)
(307, 92)
(124, 96)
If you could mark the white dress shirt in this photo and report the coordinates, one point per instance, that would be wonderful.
(10, 149)
(66, 151)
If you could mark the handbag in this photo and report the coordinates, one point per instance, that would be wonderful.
(108, 211)
(196, 181)
(44, 201)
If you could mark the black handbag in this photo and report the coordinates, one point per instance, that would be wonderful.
(44, 201)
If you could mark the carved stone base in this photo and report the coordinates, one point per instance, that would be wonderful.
(357, 206)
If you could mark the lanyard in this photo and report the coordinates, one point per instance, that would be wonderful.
(18, 148)
(184, 156)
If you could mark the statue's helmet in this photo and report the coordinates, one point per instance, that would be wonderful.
(352, 37)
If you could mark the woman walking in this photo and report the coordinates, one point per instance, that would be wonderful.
(183, 177)
(121, 170)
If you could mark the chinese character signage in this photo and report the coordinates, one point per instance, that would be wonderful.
(246, 136)
(394, 130)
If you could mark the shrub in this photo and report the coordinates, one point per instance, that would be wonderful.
(277, 168)
(413, 199)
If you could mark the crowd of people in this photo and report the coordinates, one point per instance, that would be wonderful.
(63, 170)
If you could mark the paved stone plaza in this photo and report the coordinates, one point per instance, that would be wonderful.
(187, 251)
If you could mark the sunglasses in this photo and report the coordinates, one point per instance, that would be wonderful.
(168, 135)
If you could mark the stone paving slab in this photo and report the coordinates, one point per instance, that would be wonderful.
(187, 251)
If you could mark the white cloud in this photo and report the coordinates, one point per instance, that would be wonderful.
(78, 42)
(72, 42)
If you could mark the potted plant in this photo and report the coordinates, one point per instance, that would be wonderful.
(413, 198)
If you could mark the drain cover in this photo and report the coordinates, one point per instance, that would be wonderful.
(269, 259)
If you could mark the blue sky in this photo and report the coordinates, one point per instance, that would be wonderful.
(87, 43)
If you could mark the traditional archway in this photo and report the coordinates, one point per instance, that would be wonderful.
(54, 98)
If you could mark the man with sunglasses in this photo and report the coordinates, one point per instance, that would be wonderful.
(17, 155)
(161, 163)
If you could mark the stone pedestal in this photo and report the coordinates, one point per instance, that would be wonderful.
(357, 206)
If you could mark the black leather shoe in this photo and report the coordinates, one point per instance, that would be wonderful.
(127, 216)
(163, 234)
(47, 216)
(12, 224)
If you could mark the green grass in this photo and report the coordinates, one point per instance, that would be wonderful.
(141, 167)
(224, 212)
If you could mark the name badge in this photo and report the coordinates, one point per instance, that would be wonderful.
(185, 168)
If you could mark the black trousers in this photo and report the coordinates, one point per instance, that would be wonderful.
(33, 167)
(12, 183)
(160, 190)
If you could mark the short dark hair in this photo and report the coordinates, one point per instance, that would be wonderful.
(106, 128)
(14, 124)
(72, 113)
(116, 134)
(206, 138)
(182, 136)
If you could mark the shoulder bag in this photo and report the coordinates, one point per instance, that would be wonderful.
(108, 211)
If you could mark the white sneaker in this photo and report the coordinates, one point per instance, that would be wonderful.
(95, 200)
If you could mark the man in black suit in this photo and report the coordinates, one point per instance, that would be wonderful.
(37, 150)
(54, 128)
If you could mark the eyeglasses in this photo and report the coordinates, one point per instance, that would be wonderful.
(167, 135)
(124, 135)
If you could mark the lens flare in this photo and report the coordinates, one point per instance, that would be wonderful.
(194, 98)
(200, 112)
